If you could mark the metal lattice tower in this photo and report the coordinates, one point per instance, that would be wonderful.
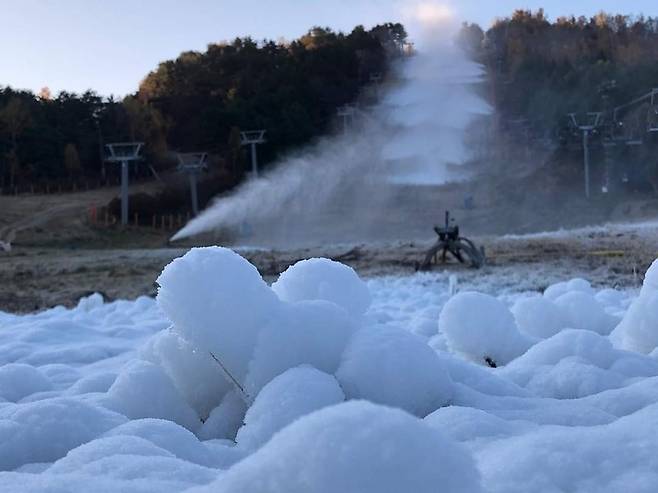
(652, 115)
(193, 164)
(591, 122)
(253, 138)
(124, 153)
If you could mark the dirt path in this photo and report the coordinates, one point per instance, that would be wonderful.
(37, 278)
(56, 218)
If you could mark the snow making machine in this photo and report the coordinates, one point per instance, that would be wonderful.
(449, 241)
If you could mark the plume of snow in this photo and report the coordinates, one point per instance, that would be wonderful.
(412, 136)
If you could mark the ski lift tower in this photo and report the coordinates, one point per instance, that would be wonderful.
(253, 138)
(193, 164)
(652, 114)
(346, 112)
(591, 122)
(124, 153)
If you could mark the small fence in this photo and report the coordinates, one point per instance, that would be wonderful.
(67, 186)
(102, 218)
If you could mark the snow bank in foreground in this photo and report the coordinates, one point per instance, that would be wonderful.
(354, 447)
(228, 384)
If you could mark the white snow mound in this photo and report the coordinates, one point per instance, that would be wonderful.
(291, 395)
(391, 366)
(538, 316)
(585, 313)
(219, 302)
(143, 390)
(324, 279)
(482, 329)
(307, 332)
(354, 447)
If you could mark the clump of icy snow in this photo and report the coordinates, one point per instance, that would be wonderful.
(104, 447)
(194, 373)
(306, 332)
(584, 344)
(324, 279)
(18, 381)
(97, 382)
(291, 395)
(354, 447)
(143, 390)
(391, 366)
(539, 316)
(638, 330)
(90, 302)
(218, 302)
(618, 456)
(44, 431)
(576, 363)
(225, 420)
(554, 291)
(167, 435)
(584, 312)
(130, 458)
(482, 328)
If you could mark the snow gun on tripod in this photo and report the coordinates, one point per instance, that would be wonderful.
(449, 241)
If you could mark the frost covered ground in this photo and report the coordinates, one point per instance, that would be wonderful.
(326, 383)
(614, 255)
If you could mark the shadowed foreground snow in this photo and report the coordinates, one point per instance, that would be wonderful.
(325, 383)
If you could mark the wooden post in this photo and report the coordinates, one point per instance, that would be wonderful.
(171, 221)
(162, 222)
(136, 219)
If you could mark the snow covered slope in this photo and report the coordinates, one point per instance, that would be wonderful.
(325, 382)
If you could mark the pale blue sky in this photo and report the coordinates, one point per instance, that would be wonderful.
(109, 45)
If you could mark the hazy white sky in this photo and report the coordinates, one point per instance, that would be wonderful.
(110, 45)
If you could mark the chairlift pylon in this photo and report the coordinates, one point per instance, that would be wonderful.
(652, 112)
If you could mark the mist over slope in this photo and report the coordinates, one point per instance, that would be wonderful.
(411, 136)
